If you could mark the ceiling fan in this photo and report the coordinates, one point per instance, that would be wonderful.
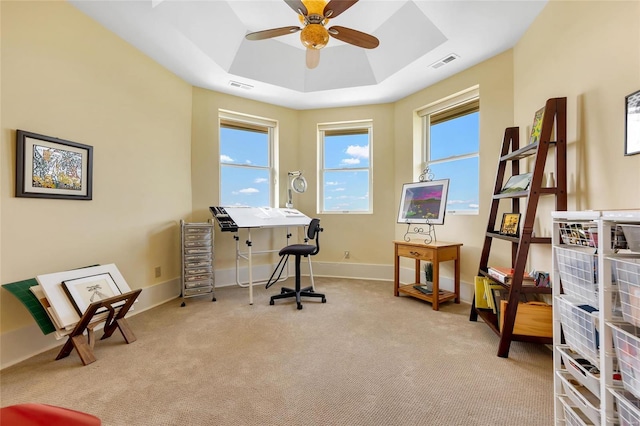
(314, 16)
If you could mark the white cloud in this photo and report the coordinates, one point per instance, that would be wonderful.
(248, 191)
(225, 158)
(340, 189)
(350, 161)
(358, 151)
(333, 183)
(260, 180)
(470, 204)
(248, 161)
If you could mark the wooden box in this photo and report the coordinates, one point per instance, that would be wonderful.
(532, 319)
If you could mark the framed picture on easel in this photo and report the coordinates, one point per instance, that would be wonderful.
(424, 202)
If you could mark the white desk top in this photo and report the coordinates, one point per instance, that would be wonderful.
(266, 217)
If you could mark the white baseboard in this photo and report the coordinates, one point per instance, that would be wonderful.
(261, 273)
(23, 343)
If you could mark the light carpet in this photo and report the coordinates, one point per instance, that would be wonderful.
(363, 358)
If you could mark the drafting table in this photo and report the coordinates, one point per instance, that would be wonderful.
(232, 219)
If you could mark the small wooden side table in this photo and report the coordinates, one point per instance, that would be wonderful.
(435, 253)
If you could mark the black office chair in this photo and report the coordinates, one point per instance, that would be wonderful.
(298, 250)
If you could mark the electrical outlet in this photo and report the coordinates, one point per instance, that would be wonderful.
(346, 254)
(158, 271)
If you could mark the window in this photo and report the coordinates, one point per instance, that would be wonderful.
(451, 143)
(345, 172)
(246, 160)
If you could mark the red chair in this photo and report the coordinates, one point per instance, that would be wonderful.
(44, 415)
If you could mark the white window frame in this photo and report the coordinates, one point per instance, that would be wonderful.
(250, 121)
(337, 126)
(458, 100)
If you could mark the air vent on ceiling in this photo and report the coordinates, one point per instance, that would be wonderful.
(444, 61)
(240, 85)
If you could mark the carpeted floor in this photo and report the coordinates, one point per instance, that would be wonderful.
(363, 358)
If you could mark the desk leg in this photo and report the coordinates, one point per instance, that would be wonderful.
(436, 284)
(456, 278)
(396, 276)
(250, 269)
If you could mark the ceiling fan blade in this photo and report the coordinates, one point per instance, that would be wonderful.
(354, 37)
(297, 6)
(274, 32)
(313, 58)
(336, 7)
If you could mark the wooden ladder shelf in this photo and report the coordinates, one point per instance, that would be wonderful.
(554, 118)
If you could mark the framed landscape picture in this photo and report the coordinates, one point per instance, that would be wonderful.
(517, 183)
(424, 202)
(48, 167)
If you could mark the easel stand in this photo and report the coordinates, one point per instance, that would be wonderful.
(115, 320)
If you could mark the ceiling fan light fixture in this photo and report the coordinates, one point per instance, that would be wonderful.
(314, 7)
(314, 36)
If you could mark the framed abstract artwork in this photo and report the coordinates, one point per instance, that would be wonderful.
(510, 224)
(536, 127)
(48, 167)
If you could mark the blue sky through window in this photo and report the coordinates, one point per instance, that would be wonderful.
(458, 136)
(346, 172)
(244, 169)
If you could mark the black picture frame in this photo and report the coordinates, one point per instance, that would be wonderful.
(632, 124)
(510, 225)
(48, 167)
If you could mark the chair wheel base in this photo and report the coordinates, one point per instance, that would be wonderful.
(299, 306)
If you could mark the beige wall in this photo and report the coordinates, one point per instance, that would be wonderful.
(65, 76)
(495, 79)
(590, 53)
(366, 236)
(156, 155)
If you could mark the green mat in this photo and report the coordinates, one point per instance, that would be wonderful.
(20, 289)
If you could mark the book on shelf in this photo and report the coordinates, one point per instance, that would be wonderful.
(493, 295)
(426, 289)
(505, 275)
